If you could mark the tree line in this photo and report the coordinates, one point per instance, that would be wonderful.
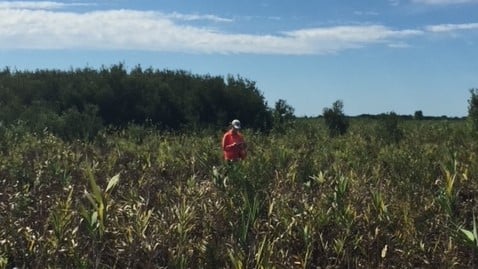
(78, 103)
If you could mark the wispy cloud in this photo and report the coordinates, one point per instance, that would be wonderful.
(196, 17)
(443, 2)
(155, 31)
(44, 5)
(333, 39)
(440, 28)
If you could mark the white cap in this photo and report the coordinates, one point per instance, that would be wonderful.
(236, 124)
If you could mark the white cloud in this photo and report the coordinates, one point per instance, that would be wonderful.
(137, 30)
(45, 5)
(154, 31)
(443, 2)
(116, 29)
(196, 17)
(440, 28)
(320, 40)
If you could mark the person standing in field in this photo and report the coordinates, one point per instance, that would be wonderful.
(233, 144)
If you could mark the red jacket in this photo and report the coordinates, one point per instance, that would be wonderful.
(233, 146)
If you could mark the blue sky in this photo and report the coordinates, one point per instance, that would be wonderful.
(376, 56)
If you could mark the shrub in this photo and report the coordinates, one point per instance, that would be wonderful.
(389, 129)
(283, 114)
(418, 115)
(473, 109)
(335, 119)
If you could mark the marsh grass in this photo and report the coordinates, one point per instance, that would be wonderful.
(137, 198)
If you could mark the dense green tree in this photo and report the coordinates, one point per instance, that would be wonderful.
(60, 101)
(83, 125)
(335, 119)
(283, 114)
(473, 109)
(389, 128)
(244, 101)
(418, 115)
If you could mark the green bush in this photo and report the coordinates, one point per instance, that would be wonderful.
(335, 119)
(473, 109)
(389, 128)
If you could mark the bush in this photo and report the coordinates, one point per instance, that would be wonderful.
(283, 115)
(389, 129)
(473, 109)
(418, 115)
(335, 119)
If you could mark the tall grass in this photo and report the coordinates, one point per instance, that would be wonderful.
(141, 199)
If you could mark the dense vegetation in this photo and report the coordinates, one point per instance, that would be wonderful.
(96, 171)
(79, 103)
(139, 198)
